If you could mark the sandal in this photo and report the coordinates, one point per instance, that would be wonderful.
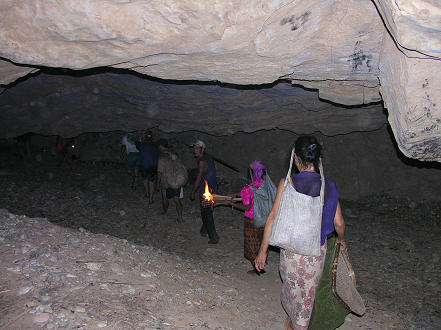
(288, 324)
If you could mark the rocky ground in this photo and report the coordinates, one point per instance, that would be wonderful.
(80, 249)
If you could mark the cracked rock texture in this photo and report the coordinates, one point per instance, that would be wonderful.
(351, 51)
(69, 106)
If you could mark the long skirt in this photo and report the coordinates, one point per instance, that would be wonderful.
(252, 238)
(301, 276)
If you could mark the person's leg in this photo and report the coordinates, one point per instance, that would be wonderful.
(164, 200)
(136, 169)
(145, 182)
(129, 165)
(151, 187)
(151, 177)
(132, 174)
(203, 230)
(251, 243)
(208, 220)
(178, 208)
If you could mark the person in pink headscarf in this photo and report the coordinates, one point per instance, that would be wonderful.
(252, 235)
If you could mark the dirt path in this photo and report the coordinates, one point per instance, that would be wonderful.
(108, 259)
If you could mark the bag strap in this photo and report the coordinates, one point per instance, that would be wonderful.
(288, 175)
(322, 176)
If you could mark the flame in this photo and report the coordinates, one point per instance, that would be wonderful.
(207, 195)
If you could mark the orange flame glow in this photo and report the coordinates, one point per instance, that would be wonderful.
(207, 195)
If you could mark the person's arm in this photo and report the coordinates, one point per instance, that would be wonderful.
(239, 206)
(340, 227)
(197, 182)
(245, 205)
(260, 260)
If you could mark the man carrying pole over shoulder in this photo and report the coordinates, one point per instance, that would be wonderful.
(206, 173)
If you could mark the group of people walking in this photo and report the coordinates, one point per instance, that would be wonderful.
(159, 168)
(300, 274)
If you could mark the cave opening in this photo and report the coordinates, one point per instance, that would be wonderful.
(80, 244)
(88, 190)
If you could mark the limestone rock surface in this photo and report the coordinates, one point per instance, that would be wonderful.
(337, 47)
(11, 72)
(409, 87)
(410, 75)
(415, 25)
(101, 102)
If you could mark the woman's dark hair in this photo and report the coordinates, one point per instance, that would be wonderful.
(308, 150)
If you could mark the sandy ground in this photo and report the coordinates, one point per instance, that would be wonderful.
(80, 249)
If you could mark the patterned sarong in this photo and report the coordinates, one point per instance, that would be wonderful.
(252, 239)
(301, 276)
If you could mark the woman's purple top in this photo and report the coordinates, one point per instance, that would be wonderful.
(309, 183)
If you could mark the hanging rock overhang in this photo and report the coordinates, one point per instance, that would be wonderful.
(351, 51)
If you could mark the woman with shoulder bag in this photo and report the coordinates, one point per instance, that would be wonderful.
(301, 273)
(253, 234)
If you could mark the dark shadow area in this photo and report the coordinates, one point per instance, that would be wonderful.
(410, 161)
(104, 69)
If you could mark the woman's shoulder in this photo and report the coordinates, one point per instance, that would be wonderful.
(331, 189)
(329, 182)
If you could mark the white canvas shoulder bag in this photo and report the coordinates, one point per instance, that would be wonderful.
(297, 225)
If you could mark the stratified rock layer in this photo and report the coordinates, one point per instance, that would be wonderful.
(69, 106)
(340, 48)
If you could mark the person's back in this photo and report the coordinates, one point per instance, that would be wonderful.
(309, 183)
(128, 142)
(209, 175)
(169, 178)
(164, 164)
(149, 154)
(130, 154)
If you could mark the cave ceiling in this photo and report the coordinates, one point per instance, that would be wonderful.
(223, 66)
(67, 105)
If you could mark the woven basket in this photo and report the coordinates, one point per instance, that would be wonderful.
(343, 282)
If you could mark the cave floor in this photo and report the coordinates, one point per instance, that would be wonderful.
(108, 259)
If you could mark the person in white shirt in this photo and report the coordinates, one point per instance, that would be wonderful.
(130, 154)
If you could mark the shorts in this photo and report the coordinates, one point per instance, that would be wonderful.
(171, 192)
(149, 173)
(132, 160)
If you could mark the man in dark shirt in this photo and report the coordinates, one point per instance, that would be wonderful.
(149, 153)
(206, 172)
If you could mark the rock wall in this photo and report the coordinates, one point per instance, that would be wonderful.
(68, 106)
(410, 86)
(410, 70)
(341, 48)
